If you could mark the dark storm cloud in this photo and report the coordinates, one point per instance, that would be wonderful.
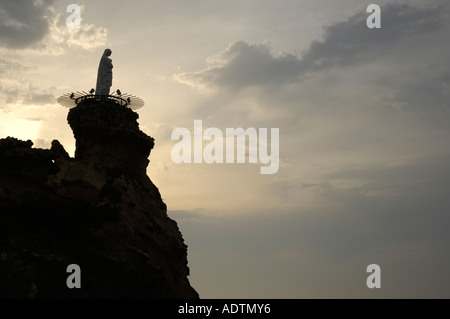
(351, 41)
(424, 87)
(345, 43)
(23, 22)
(243, 64)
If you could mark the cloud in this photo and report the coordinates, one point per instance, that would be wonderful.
(398, 231)
(351, 41)
(36, 28)
(23, 22)
(8, 68)
(344, 44)
(36, 25)
(29, 95)
(365, 128)
(39, 98)
(243, 64)
(87, 37)
(392, 206)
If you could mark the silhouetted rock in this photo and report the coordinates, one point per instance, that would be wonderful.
(109, 134)
(98, 210)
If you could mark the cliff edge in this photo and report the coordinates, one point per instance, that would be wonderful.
(98, 210)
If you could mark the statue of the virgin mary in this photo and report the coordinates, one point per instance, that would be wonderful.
(104, 76)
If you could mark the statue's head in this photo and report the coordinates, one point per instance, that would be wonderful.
(107, 52)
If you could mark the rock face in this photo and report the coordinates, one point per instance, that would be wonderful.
(98, 210)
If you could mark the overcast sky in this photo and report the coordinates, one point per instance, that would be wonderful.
(363, 116)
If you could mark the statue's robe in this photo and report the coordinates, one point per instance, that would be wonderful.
(104, 75)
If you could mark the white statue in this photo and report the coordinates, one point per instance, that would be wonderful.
(104, 76)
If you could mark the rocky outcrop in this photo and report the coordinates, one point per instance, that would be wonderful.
(98, 210)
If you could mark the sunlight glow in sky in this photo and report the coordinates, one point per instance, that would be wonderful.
(363, 116)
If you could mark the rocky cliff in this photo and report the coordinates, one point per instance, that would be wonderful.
(98, 210)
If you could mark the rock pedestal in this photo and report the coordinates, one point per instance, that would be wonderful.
(98, 210)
